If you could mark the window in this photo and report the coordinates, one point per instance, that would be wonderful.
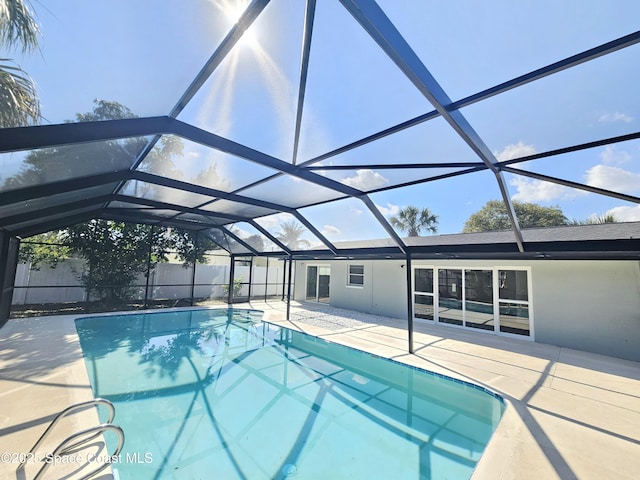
(513, 293)
(491, 299)
(356, 276)
(423, 296)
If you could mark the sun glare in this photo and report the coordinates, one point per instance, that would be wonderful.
(233, 10)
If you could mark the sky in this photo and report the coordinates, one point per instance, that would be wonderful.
(144, 54)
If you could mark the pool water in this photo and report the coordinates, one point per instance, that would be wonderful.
(219, 394)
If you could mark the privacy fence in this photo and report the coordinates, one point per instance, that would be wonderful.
(220, 278)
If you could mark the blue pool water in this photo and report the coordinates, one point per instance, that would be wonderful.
(218, 394)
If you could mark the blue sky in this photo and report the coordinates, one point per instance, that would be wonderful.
(145, 53)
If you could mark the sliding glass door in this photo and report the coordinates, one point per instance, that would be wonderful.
(450, 296)
(318, 283)
(490, 299)
(478, 299)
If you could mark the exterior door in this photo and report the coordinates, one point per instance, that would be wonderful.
(318, 283)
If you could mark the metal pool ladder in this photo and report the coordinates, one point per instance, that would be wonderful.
(79, 438)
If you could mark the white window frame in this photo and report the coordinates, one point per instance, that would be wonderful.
(349, 274)
(496, 298)
(528, 302)
(433, 294)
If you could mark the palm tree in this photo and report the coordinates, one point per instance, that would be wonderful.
(413, 220)
(19, 105)
(290, 235)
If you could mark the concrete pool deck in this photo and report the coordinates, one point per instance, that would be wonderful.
(570, 414)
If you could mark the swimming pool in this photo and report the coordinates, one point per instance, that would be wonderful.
(219, 394)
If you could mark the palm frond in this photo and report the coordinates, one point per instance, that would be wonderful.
(412, 220)
(18, 25)
(19, 105)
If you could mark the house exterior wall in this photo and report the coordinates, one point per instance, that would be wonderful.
(383, 293)
(585, 305)
(589, 305)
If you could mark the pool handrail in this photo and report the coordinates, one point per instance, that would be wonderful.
(63, 448)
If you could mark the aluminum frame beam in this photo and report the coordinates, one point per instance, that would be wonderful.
(49, 225)
(572, 61)
(398, 166)
(212, 192)
(228, 232)
(570, 184)
(235, 34)
(62, 186)
(175, 207)
(301, 218)
(304, 70)
(42, 136)
(227, 44)
(6, 222)
(268, 234)
(374, 21)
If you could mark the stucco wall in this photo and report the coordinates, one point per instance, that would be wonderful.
(586, 305)
(383, 293)
(589, 305)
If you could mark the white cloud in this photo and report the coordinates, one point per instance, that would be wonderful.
(331, 231)
(530, 190)
(615, 117)
(241, 232)
(626, 213)
(365, 179)
(273, 221)
(515, 150)
(611, 154)
(613, 178)
(389, 210)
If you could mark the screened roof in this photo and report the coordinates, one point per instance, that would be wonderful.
(245, 119)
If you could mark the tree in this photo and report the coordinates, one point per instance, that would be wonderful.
(69, 161)
(43, 249)
(596, 220)
(493, 216)
(412, 220)
(187, 248)
(290, 233)
(19, 104)
(255, 241)
(116, 254)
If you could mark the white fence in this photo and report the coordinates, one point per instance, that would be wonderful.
(167, 281)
